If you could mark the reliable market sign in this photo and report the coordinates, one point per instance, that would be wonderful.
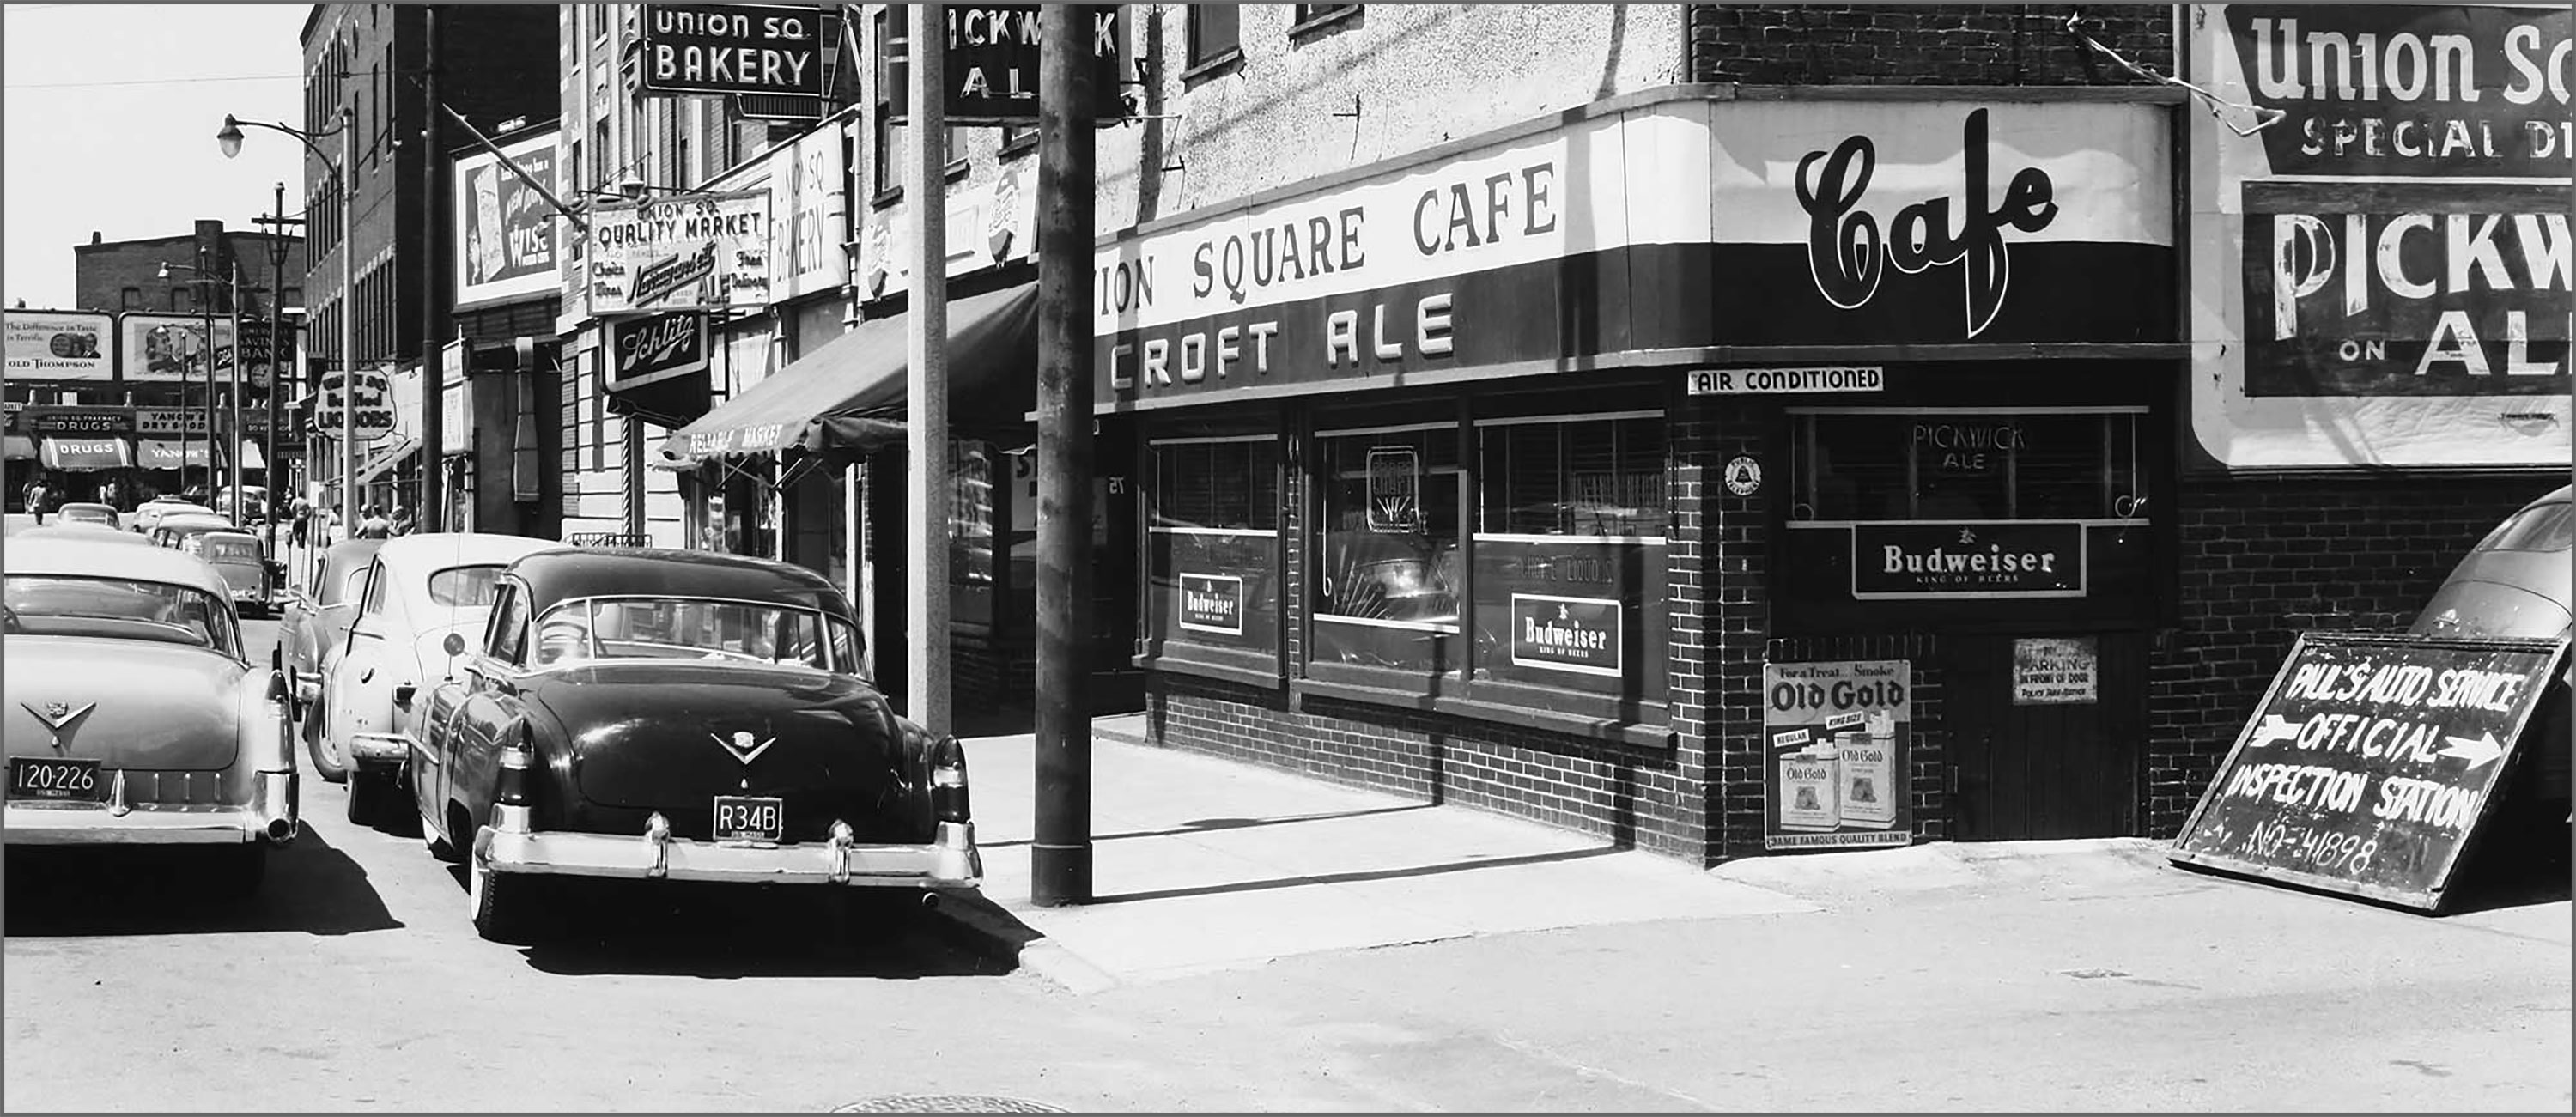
(734, 48)
(2370, 763)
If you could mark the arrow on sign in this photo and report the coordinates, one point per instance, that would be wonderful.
(2477, 752)
(2274, 728)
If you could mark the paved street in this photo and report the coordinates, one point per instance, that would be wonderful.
(2053, 976)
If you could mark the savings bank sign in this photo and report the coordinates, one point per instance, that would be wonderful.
(1645, 236)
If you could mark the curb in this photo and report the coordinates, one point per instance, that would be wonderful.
(991, 932)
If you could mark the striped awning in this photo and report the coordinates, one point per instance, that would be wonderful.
(73, 454)
(170, 453)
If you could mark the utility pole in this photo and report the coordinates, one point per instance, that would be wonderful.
(233, 414)
(279, 353)
(1060, 858)
(204, 282)
(433, 299)
(926, 489)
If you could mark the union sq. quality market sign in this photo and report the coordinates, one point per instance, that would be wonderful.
(700, 252)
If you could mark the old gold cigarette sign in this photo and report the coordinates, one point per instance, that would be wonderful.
(1835, 737)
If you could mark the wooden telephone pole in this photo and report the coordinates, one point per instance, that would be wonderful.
(1060, 857)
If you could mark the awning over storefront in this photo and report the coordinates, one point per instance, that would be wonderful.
(73, 453)
(21, 448)
(170, 453)
(849, 394)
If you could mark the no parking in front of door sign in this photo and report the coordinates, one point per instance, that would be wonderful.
(1834, 741)
(2056, 671)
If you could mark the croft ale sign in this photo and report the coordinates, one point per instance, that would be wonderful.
(1848, 256)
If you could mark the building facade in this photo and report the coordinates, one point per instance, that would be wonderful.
(492, 63)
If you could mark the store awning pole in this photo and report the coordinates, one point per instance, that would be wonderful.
(926, 492)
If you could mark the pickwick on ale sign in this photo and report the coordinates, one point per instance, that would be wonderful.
(1983, 558)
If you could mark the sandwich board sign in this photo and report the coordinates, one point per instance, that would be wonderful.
(2370, 763)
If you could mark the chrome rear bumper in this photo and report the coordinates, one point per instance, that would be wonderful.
(379, 750)
(948, 861)
(270, 817)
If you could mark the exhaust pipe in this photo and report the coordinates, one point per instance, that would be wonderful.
(930, 901)
(281, 831)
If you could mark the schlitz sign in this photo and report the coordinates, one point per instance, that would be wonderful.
(2391, 289)
(652, 350)
(1991, 558)
(2441, 91)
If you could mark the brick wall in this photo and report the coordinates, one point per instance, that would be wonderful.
(1949, 44)
(2264, 560)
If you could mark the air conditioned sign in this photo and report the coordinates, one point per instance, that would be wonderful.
(733, 48)
(1991, 558)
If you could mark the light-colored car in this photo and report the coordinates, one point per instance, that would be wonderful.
(419, 588)
(82, 532)
(134, 717)
(151, 512)
(85, 512)
(315, 628)
(2515, 582)
(180, 531)
(243, 561)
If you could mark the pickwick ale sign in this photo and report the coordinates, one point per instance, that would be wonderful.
(2381, 264)
(1935, 222)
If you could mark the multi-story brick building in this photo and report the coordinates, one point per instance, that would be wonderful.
(494, 63)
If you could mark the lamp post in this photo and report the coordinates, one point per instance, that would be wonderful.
(230, 141)
(204, 281)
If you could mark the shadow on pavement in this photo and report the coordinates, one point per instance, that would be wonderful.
(1365, 875)
(1212, 825)
(596, 927)
(2522, 863)
(72, 891)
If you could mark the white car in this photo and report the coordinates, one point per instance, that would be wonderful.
(419, 588)
(149, 516)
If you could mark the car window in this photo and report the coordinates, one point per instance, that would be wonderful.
(375, 599)
(2543, 527)
(119, 608)
(232, 550)
(508, 627)
(464, 586)
(352, 584)
(684, 628)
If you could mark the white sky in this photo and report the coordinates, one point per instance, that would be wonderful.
(88, 146)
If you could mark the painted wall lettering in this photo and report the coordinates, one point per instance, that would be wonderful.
(1846, 252)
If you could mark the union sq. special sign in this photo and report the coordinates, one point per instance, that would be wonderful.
(2380, 264)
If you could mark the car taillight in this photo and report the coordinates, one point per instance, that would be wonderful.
(948, 781)
(510, 788)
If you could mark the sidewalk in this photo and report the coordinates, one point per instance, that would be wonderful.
(1204, 864)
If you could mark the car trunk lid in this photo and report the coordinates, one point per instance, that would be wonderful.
(123, 703)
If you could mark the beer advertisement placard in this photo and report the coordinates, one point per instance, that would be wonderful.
(60, 345)
(1211, 603)
(1968, 559)
(691, 252)
(168, 348)
(1576, 635)
(505, 229)
(1835, 741)
(2380, 242)
(2370, 763)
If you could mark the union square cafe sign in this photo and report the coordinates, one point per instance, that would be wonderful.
(1937, 222)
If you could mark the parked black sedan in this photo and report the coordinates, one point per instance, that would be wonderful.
(678, 715)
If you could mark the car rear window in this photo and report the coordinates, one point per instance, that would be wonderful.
(464, 586)
(2542, 527)
(231, 550)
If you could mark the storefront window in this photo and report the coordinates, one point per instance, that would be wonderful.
(1213, 539)
(1955, 465)
(1388, 580)
(1570, 553)
(970, 533)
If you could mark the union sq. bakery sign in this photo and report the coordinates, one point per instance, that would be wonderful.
(1652, 231)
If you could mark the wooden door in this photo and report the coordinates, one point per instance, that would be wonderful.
(2033, 758)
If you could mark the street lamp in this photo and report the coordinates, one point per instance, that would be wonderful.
(205, 281)
(230, 141)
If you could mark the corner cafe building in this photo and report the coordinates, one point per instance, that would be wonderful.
(1717, 470)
